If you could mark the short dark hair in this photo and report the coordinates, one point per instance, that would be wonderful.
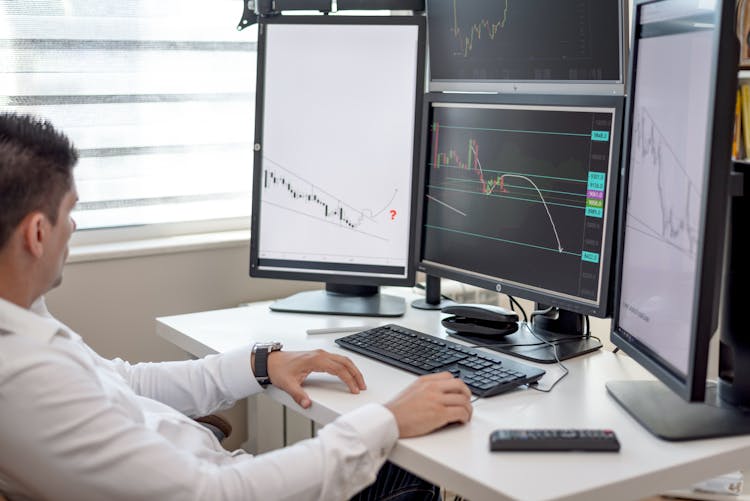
(36, 170)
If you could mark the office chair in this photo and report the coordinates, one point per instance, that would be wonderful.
(219, 426)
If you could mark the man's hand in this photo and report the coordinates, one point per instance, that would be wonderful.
(288, 369)
(429, 403)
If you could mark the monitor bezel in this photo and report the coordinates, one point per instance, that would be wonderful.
(601, 309)
(691, 386)
(320, 275)
(577, 87)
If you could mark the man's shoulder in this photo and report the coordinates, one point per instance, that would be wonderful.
(19, 350)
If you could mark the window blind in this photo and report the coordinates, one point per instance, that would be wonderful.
(157, 95)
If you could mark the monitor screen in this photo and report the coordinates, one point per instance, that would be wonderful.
(533, 45)
(338, 101)
(674, 210)
(519, 195)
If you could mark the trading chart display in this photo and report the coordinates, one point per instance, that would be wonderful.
(667, 183)
(336, 160)
(519, 194)
(525, 40)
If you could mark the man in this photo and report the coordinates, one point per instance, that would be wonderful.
(74, 425)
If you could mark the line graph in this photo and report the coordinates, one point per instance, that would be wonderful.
(496, 181)
(499, 182)
(524, 188)
(286, 190)
(475, 30)
(674, 220)
(524, 39)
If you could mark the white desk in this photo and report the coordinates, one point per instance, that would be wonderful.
(458, 457)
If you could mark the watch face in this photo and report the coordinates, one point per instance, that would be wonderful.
(274, 346)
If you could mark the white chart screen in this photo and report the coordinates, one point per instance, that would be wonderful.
(338, 148)
(666, 186)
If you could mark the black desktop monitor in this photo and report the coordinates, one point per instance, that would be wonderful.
(338, 106)
(676, 158)
(548, 46)
(518, 196)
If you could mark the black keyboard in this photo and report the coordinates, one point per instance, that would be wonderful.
(420, 353)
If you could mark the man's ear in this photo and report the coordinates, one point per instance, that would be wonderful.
(34, 230)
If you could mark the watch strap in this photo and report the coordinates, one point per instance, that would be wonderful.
(261, 365)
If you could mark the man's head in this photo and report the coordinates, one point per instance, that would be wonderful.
(37, 193)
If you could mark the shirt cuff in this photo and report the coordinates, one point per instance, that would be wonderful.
(236, 371)
(376, 427)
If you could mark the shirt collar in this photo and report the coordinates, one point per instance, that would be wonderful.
(35, 322)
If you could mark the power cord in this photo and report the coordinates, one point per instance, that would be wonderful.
(552, 344)
(530, 328)
(556, 342)
(527, 324)
(515, 302)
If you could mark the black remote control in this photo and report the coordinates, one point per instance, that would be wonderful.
(554, 440)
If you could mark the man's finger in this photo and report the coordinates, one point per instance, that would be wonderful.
(358, 377)
(453, 385)
(299, 395)
(456, 414)
(454, 399)
(337, 369)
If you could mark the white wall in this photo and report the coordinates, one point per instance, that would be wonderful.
(113, 303)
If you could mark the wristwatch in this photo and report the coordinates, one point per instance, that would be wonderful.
(261, 351)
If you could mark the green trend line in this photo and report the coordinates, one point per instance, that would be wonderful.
(497, 239)
(582, 195)
(520, 131)
(572, 180)
(531, 200)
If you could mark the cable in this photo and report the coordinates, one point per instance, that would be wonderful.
(514, 301)
(616, 349)
(554, 351)
(514, 345)
(548, 309)
(512, 306)
(552, 344)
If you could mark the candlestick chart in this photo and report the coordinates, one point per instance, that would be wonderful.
(524, 39)
(285, 190)
(519, 186)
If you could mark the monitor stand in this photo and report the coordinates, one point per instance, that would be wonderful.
(563, 328)
(726, 411)
(433, 299)
(662, 412)
(344, 299)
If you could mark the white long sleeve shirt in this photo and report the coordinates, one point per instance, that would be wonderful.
(76, 426)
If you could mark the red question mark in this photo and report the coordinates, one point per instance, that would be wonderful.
(393, 214)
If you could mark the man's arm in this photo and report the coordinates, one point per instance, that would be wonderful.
(199, 387)
(64, 437)
(193, 387)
